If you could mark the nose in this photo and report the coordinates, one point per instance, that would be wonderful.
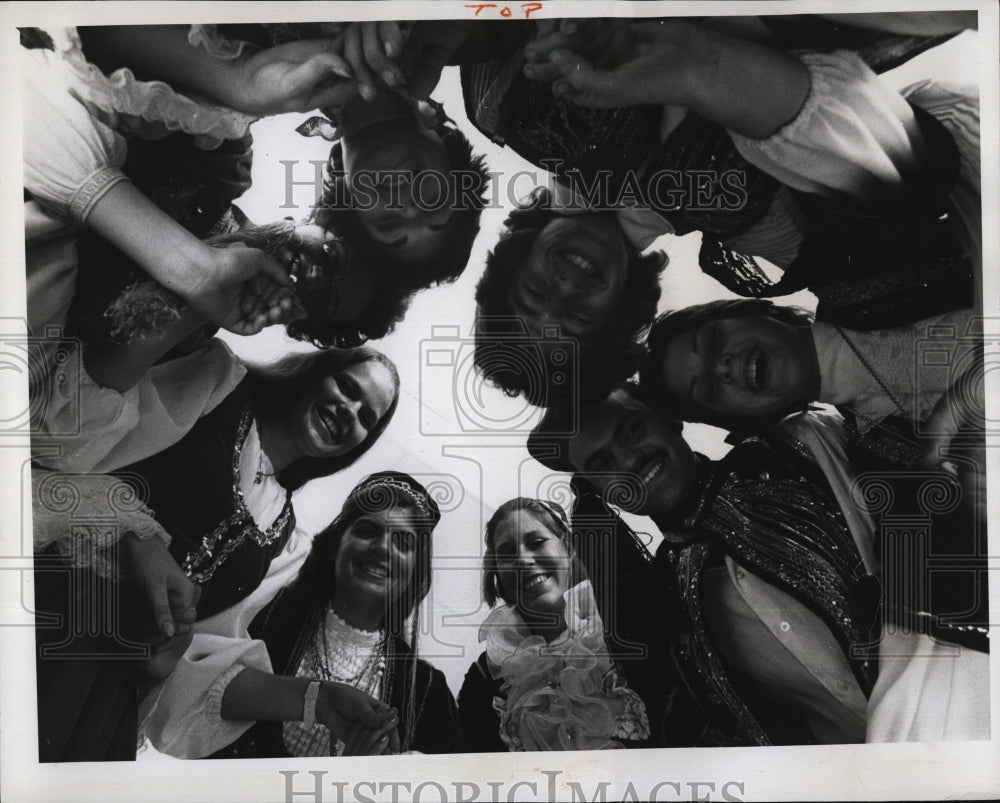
(565, 286)
(724, 367)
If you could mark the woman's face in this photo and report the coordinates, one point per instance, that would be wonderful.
(338, 412)
(742, 367)
(532, 565)
(325, 284)
(573, 276)
(399, 178)
(376, 560)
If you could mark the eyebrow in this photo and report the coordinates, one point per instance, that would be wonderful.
(440, 226)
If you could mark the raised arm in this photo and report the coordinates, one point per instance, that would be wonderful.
(293, 77)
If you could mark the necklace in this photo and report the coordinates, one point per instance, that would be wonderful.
(870, 370)
(258, 477)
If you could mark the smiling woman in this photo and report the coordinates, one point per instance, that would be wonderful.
(350, 617)
(545, 681)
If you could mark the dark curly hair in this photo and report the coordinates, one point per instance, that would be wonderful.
(276, 386)
(374, 321)
(471, 178)
(514, 362)
(677, 321)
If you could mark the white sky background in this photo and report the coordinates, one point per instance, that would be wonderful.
(481, 472)
(873, 772)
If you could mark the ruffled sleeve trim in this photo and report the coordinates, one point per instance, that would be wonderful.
(151, 101)
(217, 45)
(853, 134)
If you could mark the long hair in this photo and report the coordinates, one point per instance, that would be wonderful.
(275, 387)
(553, 516)
(380, 492)
(383, 491)
(513, 363)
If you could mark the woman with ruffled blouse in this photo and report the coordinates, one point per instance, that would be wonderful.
(545, 680)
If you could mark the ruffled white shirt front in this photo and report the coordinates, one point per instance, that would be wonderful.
(563, 695)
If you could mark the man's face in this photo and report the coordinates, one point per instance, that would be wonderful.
(399, 173)
(636, 456)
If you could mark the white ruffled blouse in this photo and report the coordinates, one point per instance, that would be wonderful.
(563, 695)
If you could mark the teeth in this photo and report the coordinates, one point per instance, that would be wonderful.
(753, 377)
(581, 263)
(376, 569)
(330, 422)
(655, 469)
(536, 580)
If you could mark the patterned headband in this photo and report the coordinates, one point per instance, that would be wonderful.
(370, 488)
(556, 510)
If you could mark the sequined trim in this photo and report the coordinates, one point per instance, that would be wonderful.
(202, 564)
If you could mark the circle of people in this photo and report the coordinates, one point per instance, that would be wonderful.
(768, 613)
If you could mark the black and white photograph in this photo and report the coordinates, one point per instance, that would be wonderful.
(418, 400)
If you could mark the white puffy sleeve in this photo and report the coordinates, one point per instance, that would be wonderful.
(853, 135)
(182, 716)
(79, 425)
(71, 159)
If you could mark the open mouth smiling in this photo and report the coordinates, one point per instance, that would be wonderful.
(756, 364)
(375, 571)
(330, 422)
(535, 581)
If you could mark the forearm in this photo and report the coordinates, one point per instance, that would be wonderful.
(746, 87)
(162, 52)
(142, 231)
(121, 366)
(255, 695)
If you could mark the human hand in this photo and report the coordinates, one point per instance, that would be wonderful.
(362, 741)
(293, 77)
(603, 43)
(650, 66)
(356, 718)
(241, 289)
(372, 50)
(165, 653)
(954, 438)
(170, 594)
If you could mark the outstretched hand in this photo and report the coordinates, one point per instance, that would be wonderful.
(364, 724)
(294, 77)
(170, 594)
(242, 289)
(643, 64)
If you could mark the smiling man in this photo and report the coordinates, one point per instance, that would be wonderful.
(776, 601)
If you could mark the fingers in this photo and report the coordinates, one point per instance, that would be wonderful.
(426, 73)
(393, 38)
(584, 85)
(364, 741)
(162, 614)
(355, 55)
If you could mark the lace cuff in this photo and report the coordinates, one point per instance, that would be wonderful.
(92, 190)
(217, 45)
(138, 102)
(853, 135)
(83, 516)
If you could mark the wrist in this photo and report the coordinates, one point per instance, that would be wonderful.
(310, 699)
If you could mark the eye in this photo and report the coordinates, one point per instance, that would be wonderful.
(534, 294)
(348, 386)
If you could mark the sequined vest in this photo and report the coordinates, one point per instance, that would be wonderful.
(768, 507)
(193, 487)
